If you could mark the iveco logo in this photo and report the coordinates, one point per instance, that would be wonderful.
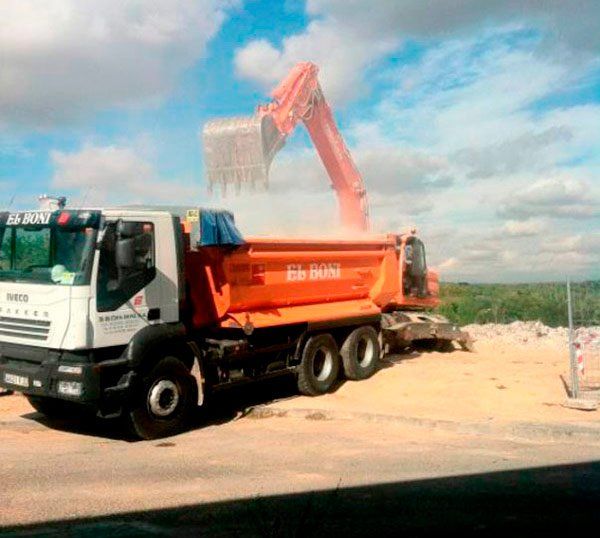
(17, 297)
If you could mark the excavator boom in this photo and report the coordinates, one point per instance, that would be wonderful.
(240, 151)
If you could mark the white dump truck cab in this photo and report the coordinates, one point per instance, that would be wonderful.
(79, 289)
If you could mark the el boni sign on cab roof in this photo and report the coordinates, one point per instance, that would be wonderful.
(29, 218)
(74, 219)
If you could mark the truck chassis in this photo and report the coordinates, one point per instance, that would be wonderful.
(165, 373)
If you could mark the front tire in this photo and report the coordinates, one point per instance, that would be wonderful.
(165, 402)
(320, 365)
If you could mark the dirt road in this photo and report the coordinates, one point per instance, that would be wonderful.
(498, 383)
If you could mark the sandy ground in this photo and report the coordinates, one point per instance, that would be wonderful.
(497, 382)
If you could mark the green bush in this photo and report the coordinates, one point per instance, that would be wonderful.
(504, 303)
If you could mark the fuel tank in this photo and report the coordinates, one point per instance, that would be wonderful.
(281, 281)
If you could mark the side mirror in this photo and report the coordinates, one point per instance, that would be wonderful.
(125, 254)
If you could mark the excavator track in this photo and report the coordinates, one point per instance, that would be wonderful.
(405, 328)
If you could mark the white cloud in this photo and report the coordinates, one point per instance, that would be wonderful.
(524, 228)
(345, 37)
(393, 170)
(107, 166)
(520, 258)
(64, 59)
(443, 19)
(525, 151)
(521, 253)
(562, 197)
(341, 56)
(566, 244)
(115, 175)
(474, 99)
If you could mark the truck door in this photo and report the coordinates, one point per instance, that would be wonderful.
(132, 295)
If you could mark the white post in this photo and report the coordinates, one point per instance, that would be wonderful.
(572, 353)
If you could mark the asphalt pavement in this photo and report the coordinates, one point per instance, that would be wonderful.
(284, 476)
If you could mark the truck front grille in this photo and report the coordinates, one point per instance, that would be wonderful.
(33, 329)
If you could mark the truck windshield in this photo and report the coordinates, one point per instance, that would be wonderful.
(48, 247)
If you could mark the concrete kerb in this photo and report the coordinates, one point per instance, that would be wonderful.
(532, 431)
(519, 430)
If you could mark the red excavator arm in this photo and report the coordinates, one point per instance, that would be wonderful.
(241, 150)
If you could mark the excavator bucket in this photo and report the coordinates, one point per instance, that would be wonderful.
(238, 151)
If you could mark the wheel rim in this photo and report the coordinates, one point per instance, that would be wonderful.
(365, 351)
(163, 398)
(323, 363)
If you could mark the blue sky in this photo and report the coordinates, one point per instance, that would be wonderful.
(478, 122)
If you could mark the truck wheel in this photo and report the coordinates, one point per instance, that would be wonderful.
(165, 402)
(320, 365)
(360, 353)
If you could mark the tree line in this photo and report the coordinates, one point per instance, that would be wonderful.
(466, 303)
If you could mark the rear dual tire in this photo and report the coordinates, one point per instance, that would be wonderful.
(360, 353)
(320, 365)
(321, 360)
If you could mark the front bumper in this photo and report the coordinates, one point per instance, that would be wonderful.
(38, 372)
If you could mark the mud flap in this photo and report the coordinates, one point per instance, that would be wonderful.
(197, 375)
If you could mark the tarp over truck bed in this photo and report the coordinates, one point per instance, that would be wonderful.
(217, 227)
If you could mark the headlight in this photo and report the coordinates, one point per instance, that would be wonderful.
(64, 369)
(69, 388)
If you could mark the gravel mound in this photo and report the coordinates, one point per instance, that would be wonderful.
(531, 332)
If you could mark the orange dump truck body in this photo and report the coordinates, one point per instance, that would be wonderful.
(274, 282)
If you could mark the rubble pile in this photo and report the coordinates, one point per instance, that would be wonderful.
(529, 332)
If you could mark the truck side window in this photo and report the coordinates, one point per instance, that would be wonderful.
(117, 286)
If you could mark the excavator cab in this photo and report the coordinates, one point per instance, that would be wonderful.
(415, 268)
(239, 151)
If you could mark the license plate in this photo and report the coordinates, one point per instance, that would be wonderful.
(19, 380)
